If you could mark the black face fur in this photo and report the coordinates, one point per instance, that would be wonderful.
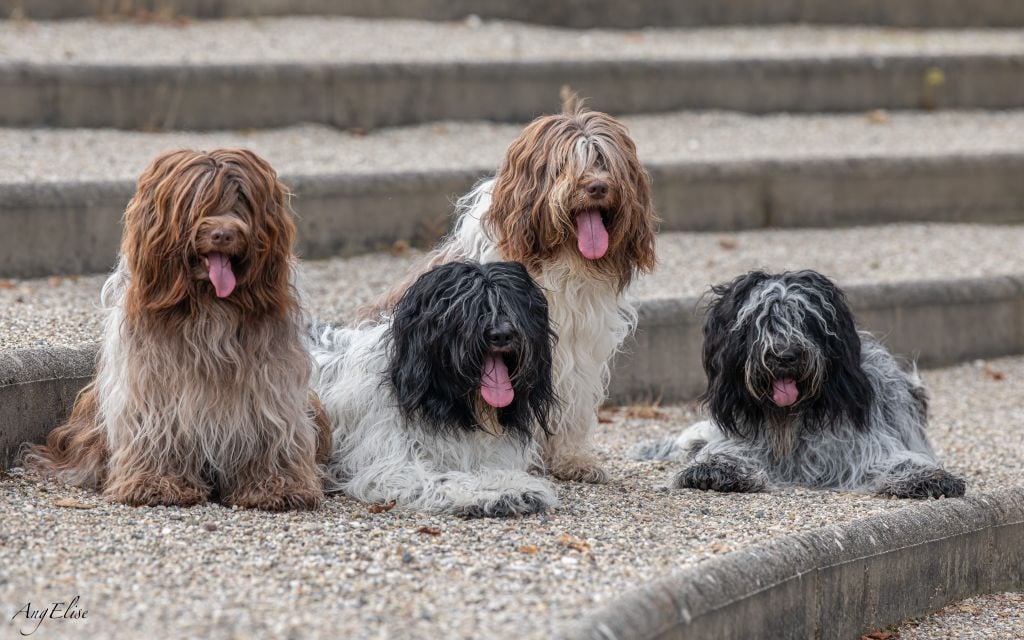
(796, 325)
(443, 328)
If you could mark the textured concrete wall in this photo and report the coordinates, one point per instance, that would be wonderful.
(836, 582)
(75, 227)
(388, 94)
(579, 13)
(37, 389)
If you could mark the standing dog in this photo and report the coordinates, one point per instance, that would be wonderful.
(798, 396)
(436, 409)
(572, 202)
(202, 379)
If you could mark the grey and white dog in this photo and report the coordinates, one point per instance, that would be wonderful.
(797, 395)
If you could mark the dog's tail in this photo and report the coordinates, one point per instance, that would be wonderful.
(662, 449)
(680, 445)
(77, 451)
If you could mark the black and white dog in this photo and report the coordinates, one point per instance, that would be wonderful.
(437, 407)
(797, 396)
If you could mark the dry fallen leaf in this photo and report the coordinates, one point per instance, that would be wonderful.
(528, 548)
(6, 284)
(878, 116)
(574, 543)
(430, 531)
(880, 634)
(645, 411)
(727, 242)
(994, 373)
(71, 503)
(382, 507)
(719, 547)
(399, 248)
(54, 281)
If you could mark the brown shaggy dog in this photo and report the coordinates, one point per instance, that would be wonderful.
(572, 202)
(202, 380)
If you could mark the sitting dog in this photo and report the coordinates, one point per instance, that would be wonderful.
(798, 396)
(572, 202)
(436, 408)
(202, 379)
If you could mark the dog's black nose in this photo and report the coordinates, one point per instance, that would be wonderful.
(788, 359)
(222, 236)
(499, 335)
(597, 189)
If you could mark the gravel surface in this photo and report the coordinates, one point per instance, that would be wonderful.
(994, 617)
(345, 572)
(62, 310)
(347, 40)
(82, 155)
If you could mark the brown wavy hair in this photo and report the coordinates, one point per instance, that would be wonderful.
(540, 186)
(177, 194)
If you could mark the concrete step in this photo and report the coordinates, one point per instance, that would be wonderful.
(373, 73)
(576, 14)
(62, 192)
(914, 285)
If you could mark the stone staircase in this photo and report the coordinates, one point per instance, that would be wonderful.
(379, 113)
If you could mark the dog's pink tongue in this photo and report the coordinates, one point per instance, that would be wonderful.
(221, 275)
(591, 236)
(496, 387)
(784, 392)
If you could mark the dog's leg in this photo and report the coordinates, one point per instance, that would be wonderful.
(911, 480)
(292, 482)
(140, 477)
(567, 451)
(721, 472)
(493, 493)
(715, 462)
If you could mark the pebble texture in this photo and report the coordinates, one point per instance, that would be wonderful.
(346, 40)
(993, 617)
(63, 311)
(86, 155)
(347, 572)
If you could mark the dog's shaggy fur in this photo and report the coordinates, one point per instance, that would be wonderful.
(572, 202)
(437, 408)
(797, 396)
(202, 380)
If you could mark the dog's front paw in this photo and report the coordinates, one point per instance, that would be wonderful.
(718, 474)
(156, 490)
(579, 469)
(925, 483)
(510, 505)
(277, 493)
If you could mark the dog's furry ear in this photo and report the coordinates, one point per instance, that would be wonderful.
(518, 217)
(156, 232)
(429, 386)
(635, 227)
(846, 390)
(724, 356)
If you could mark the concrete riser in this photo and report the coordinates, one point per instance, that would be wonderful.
(662, 362)
(379, 95)
(585, 14)
(75, 228)
(837, 582)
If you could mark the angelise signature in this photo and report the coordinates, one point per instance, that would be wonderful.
(34, 617)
